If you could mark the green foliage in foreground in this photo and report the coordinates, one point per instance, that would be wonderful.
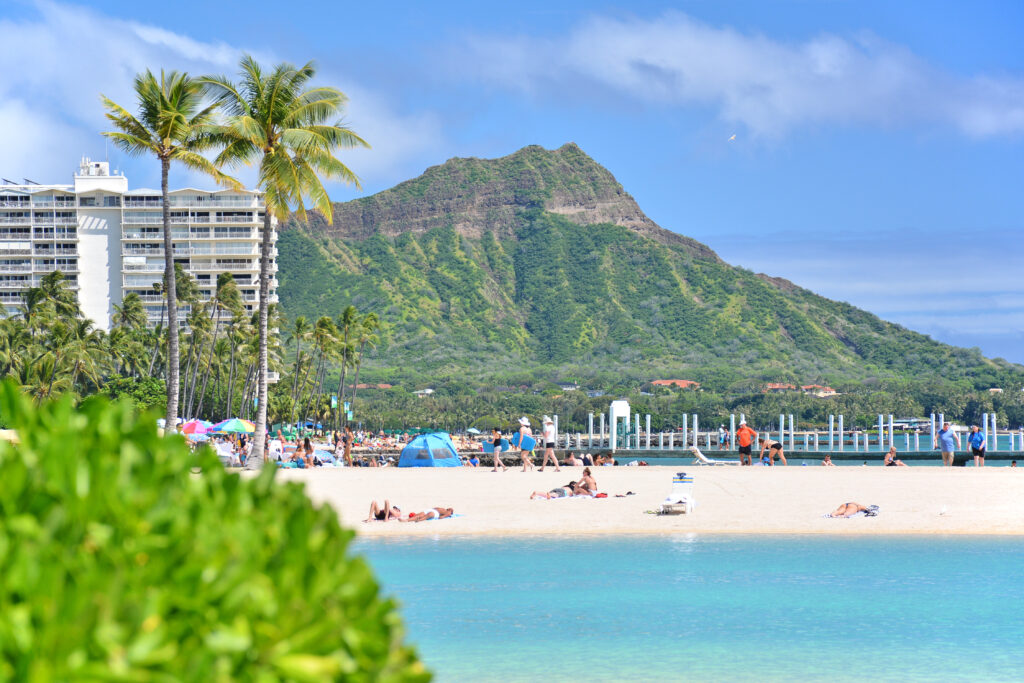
(125, 557)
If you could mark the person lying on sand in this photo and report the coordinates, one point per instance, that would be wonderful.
(571, 489)
(383, 514)
(433, 513)
(850, 509)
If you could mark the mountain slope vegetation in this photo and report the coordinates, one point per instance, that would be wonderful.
(539, 264)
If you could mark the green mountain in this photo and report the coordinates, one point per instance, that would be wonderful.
(540, 265)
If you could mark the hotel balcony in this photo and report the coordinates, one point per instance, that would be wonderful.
(15, 220)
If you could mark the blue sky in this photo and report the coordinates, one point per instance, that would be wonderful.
(879, 146)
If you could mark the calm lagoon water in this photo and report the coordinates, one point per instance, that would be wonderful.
(710, 607)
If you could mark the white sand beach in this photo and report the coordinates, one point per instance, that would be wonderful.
(780, 500)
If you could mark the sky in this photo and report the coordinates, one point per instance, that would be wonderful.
(878, 154)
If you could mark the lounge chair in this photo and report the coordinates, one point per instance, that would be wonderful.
(680, 501)
(702, 459)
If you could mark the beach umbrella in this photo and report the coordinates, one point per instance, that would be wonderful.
(196, 427)
(472, 430)
(234, 425)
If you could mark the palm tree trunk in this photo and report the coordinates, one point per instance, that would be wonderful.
(156, 346)
(206, 375)
(312, 389)
(231, 381)
(305, 379)
(255, 459)
(173, 355)
(355, 382)
(295, 377)
(341, 381)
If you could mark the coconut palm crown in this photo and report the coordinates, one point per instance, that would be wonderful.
(289, 130)
(173, 125)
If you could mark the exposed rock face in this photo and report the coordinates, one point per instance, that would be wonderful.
(478, 195)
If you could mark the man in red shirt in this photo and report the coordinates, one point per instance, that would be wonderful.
(745, 437)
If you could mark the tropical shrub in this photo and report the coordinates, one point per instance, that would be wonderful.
(124, 556)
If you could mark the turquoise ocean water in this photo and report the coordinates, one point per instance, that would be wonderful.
(693, 607)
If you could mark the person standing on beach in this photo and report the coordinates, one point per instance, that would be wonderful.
(548, 432)
(949, 442)
(524, 430)
(496, 442)
(745, 437)
(347, 438)
(977, 441)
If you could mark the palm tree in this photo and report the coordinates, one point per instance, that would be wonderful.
(130, 313)
(300, 332)
(289, 131)
(346, 322)
(365, 334)
(173, 126)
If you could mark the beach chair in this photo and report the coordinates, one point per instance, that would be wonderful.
(702, 459)
(680, 501)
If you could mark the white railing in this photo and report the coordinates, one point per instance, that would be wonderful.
(6, 204)
(15, 252)
(15, 220)
(143, 268)
(19, 268)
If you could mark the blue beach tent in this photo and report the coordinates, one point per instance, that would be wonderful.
(430, 450)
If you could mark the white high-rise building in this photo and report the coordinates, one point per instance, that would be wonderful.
(108, 241)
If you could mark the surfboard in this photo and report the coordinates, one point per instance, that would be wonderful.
(528, 442)
(489, 446)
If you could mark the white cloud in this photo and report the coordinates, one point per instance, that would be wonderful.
(767, 85)
(57, 62)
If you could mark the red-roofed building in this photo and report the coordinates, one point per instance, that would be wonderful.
(373, 386)
(680, 383)
(777, 386)
(818, 390)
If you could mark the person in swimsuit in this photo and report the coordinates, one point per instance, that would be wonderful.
(572, 461)
(383, 514)
(827, 462)
(560, 492)
(587, 484)
(548, 433)
(850, 509)
(432, 513)
(774, 449)
(496, 441)
(347, 439)
(890, 459)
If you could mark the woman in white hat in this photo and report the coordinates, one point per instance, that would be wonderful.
(548, 432)
(524, 430)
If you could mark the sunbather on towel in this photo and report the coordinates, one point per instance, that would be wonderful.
(560, 492)
(383, 514)
(587, 483)
(432, 513)
(850, 509)
(570, 489)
